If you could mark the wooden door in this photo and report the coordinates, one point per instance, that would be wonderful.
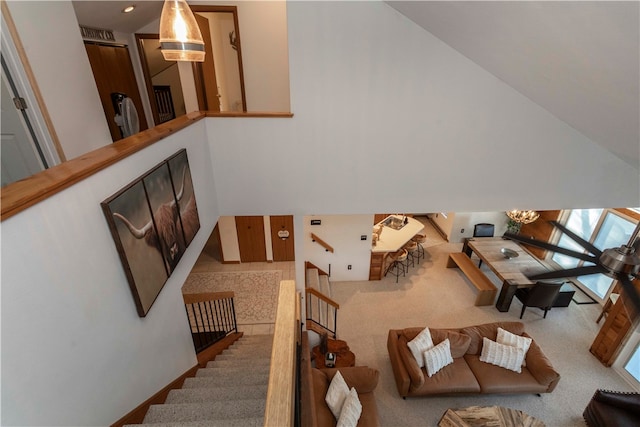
(251, 242)
(282, 238)
(206, 81)
(113, 72)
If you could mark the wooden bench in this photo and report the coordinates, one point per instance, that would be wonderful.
(486, 289)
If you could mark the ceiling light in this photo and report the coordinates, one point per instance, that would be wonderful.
(129, 8)
(180, 38)
(523, 217)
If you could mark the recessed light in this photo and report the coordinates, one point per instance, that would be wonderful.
(129, 8)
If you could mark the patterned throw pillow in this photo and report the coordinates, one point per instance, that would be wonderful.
(507, 338)
(351, 410)
(502, 355)
(419, 345)
(438, 357)
(337, 394)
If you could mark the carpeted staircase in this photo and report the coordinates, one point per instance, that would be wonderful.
(231, 391)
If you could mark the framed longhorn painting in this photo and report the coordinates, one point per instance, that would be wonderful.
(153, 220)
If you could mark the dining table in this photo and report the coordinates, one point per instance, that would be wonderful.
(509, 261)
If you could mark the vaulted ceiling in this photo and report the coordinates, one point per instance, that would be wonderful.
(579, 60)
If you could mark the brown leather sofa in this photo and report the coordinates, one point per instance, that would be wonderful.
(467, 374)
(315, 383)
(613, 409)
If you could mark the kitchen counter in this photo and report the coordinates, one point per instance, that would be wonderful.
(392, 240)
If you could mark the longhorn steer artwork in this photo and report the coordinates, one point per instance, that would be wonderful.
(152, 221)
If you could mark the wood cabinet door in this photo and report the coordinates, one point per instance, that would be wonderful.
(282, 238)
(113, 72)
(251, 242)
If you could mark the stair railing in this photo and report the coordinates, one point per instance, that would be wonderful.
(322, 312)
(327, 247)
(281, 408)
(212, 316)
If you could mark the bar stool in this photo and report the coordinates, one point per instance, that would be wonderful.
(412, 248)
(397, 263)
(419, 239)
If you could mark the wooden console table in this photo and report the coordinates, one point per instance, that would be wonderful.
(344, 357)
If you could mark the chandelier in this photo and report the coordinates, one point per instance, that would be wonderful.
(523, 217)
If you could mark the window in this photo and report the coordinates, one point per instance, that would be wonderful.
(604, 228)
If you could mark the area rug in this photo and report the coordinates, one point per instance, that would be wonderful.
(255, 292)
(580, 297)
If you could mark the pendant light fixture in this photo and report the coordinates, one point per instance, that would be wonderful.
(180, 38)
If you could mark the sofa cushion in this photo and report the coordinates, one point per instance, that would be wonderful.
(336, 394)
(459, 343)
(502, 355)
(507, 338)
(411, 365)
(351, 410)
(437, 358)
(363, 378)
(320, 384)
(453, 378)
(419, 344)
(489, 330)
(494, 379)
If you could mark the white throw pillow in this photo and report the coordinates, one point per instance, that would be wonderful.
(502, 355)
(337, 394)
(419, 345)
(507, 338)
(351, 410)
(438, 357)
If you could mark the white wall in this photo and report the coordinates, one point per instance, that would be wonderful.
(74, 351)
(388, 118)
(60, 65)
(343, 233)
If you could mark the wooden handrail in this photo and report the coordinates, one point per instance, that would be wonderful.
(280, 406)
(308, 264)
(322, 296)
(206, 296)
(25, 193)
(258, 114)
(321, 242)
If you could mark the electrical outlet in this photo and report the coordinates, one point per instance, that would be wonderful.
(363, 237)
(349, 267)
(461, 230)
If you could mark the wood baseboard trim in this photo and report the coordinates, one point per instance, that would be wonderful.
(230, 262)
(136, 416)
(438, 229)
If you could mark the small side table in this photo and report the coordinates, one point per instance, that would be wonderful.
(344, 357)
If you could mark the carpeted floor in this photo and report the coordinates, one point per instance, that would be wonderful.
(255, 292)
(433, 295)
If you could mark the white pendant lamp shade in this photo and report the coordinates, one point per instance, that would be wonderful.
(180, 38)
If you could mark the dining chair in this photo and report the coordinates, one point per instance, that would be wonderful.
(483, 229)
(541, 295)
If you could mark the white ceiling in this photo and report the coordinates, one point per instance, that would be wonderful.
(108, 14)
(579, 60)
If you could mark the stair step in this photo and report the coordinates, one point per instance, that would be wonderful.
(199, 395)
(235, 422)
(173, 412)
(250, 352)
(222, 363)
(325, 286)
(234, 372)
(225, 381)
(313, 279)
(226, 355)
